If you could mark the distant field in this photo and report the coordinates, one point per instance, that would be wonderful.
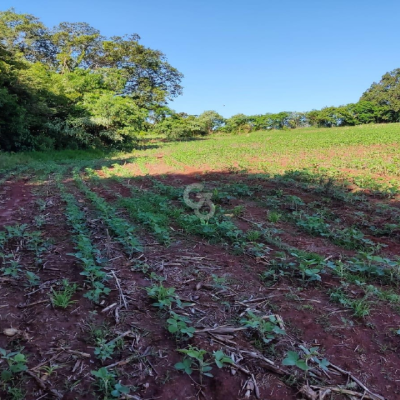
(366, 149)
(291, 290)
(367, 156)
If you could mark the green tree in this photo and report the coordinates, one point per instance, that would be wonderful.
(212, 120)
(72, 87)
(181, 127)
(386, 94)
(238, 123)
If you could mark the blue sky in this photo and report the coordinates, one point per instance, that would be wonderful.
(252, 56)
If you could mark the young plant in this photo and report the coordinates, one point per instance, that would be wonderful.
(12, 268)
(165, 297)
(107, 384)
(194, 360)
(62, 298)
(104, 349)
(177, 324)
(33, 279)
(40, 220)
(274, 217)
(98, 290)
(293, 359)
(221, 359)
(309, 265)
(252, 235)
(219, 282)
(267, 327)
(238, 211)
(16, 363)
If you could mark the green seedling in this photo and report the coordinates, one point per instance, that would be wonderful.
(177, 324)
(253, 236)
(99, 289)
(16, 363)
(62, 298)
(274, 217)
(104, 349)
(12, 268)
(165, 297)
(293, 359)
(33, 279)
(267, 327)
(221, 359)
(194, 360)
(238, 211)
(219, 282)
(107, 384)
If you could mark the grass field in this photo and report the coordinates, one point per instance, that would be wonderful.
(111, 286)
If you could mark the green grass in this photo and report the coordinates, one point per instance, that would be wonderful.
(370, 149)
(300, 148)
(10, 161)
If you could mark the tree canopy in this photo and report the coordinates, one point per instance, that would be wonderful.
(386, 95)
(69, 86)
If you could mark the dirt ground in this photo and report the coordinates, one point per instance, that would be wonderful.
(219, 287)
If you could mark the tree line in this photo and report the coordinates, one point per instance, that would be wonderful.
(71, 87)
(379, 104)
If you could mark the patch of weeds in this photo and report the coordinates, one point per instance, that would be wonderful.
(253, 235)
(360, 307)
(141, 266)
(165, 297)
(347, 323)
(293, 202)
(312, 224)
(238, 211)
(40, 220)
(239, 190)
(97, 332)
(277, 268)
(307, 307)
(62, 298)
(274, 217)
(15, 393)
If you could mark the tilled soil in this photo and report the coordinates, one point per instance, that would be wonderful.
(219, 287)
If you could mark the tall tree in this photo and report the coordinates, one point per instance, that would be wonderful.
(386, 93)
(71, 86)
(212, 120)
(149, 78)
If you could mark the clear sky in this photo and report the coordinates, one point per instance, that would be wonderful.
(251, 56)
